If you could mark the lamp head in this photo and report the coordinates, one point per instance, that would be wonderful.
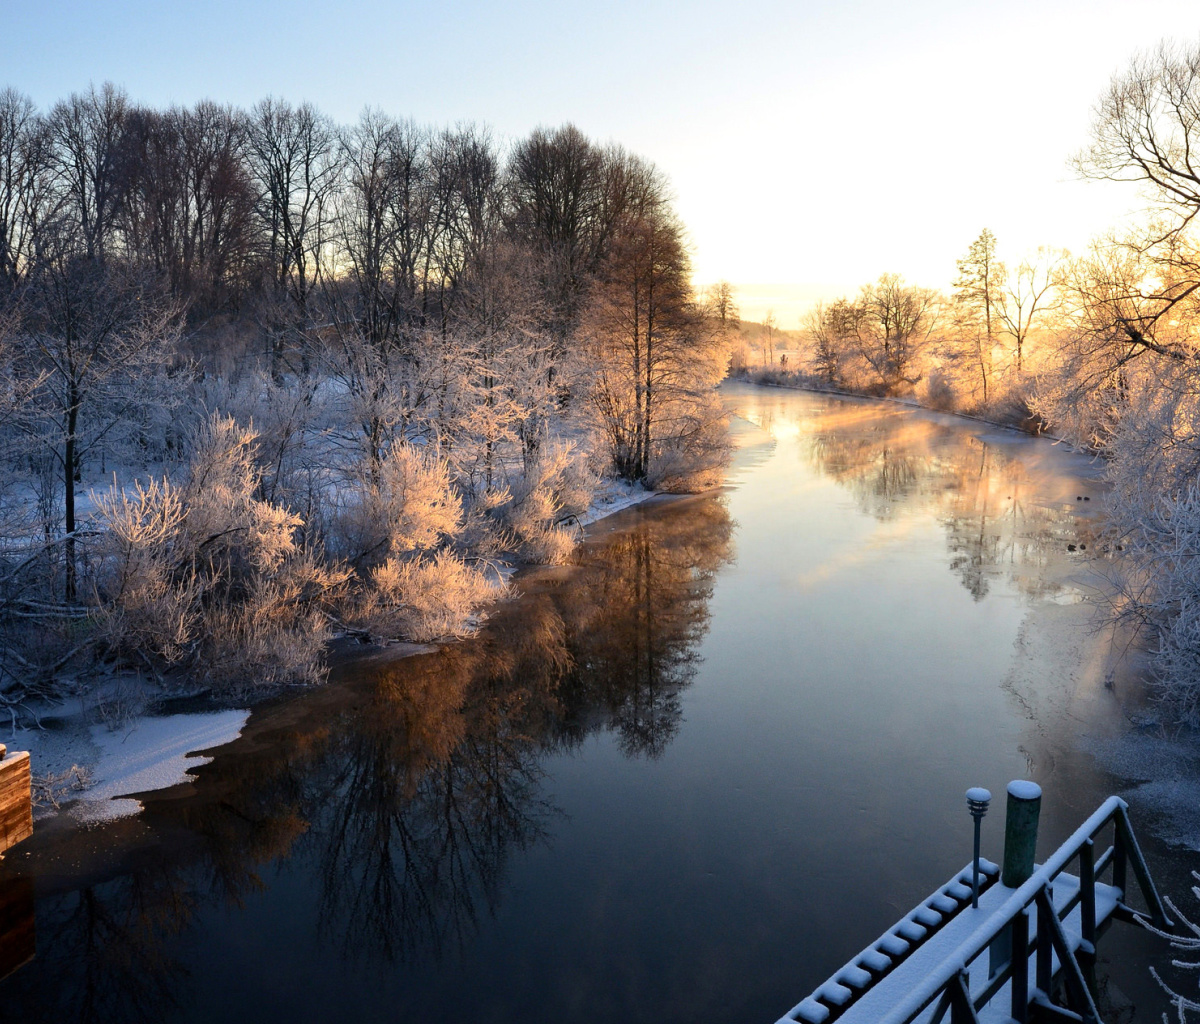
(978, 800)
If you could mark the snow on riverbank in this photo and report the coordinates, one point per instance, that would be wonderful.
(154, 753)
(613, 496)
(144, 754)
(95, 767)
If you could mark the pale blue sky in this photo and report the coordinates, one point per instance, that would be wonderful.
(812, 145)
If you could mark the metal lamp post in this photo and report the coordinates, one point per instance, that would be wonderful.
(977, 803)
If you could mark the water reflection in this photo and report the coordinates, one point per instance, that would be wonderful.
(393, 801)
(899, 468)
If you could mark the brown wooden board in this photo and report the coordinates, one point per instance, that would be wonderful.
(16, 800)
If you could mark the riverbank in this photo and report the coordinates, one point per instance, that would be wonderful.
(1019, 419)
(92, 756)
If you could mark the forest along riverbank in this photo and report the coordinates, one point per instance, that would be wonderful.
(126, 736)
(685, 777)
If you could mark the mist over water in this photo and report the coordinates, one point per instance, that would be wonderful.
(683, 779)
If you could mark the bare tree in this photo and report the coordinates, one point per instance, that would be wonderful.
(383, 217)
(188, 206)
(894, 323)
(87, 133)
(555, 182)
(1146, 130)
(1027, 295)
(294, 159)
(26, 186)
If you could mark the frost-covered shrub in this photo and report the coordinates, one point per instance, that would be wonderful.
(937, 391)
(1161, 564)
(227, 529)
(404, 503)
(206, 568)
(557, 485)
(286, 417)
(1152, 436)
(277, 634)
(428, 598)
(696, 451)
(149, 598)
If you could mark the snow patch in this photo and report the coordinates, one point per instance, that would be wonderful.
(613, 496)
(1168, 771)
(1021, 789)
(154, 754)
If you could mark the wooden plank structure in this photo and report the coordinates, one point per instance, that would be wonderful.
(1026, 954)
(16, 798)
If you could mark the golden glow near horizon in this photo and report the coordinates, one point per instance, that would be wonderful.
(896, 161)
(811, 146)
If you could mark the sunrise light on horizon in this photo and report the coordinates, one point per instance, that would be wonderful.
(813, 145)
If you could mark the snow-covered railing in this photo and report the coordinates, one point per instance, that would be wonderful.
(894, 946)
(1050, 922)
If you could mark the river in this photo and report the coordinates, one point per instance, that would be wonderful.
(683, 779)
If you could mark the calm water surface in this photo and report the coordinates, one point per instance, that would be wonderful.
(682, 780)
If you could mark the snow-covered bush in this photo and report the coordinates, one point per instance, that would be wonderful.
(1146, 419)
(207, 568)
(937, 391)
(428, 598)
(275, 635)
(149, 602)
(557, 485)
(692, 455)
(405, 503)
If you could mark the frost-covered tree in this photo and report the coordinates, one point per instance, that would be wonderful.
(654, 357)
(894, 324)
(96, 338)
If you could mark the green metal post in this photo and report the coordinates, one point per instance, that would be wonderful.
(1020, 832)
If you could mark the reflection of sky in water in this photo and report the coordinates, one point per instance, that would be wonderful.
(681, 782)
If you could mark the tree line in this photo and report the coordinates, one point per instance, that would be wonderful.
(333, 371)
(1101, 348)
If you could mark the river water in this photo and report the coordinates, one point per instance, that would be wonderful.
(683, 779)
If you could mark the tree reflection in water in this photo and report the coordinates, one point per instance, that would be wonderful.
(894, 462)
(402, 790)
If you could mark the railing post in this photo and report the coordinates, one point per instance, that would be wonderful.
(1019, 979)
(1087, 915)
(1120, 860)
(1045, 947)
(1087, 891)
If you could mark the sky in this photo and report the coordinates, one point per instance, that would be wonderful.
(812, 146)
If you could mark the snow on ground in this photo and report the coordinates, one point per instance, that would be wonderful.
(1166, 777)
(152, 753)
(613, 496)
(143, 754)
